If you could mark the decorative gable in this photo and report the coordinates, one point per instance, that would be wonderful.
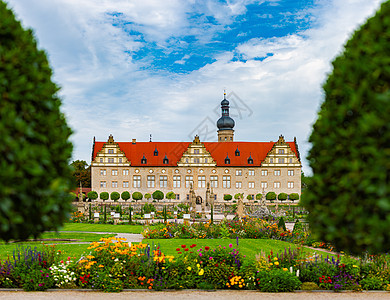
(196, 155)
(110, 155)
(281, 155)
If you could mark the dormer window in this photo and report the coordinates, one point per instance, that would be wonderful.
(237, 153)
(155, 153)
(110, 151)
(143, 160)
(281, 151)
(165, 160)
(250, 160)
(196, 151)
(227, 160)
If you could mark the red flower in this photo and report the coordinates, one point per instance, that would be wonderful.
(177, 249)
(207, 248)
(183, 246)
(192, 246)
(179, 252)
(186, 249)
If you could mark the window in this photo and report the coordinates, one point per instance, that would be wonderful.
(177, 196)
(250, 160)
(290, 172)
(237, 152)
(187, 160)
(125, 184)
(277, 185)
(165, 160)
(196, 151)
(126, 172)
(271, 160)
(290, 184)
(281, 160)
(227, 160)
(114, 184)
(281, 151)
(114, 172)
(277, 172)
(151, 179)
(201, 181)
(264, 172)
(143, 160)
(205, 160)
(189, 181)
(163, 181)
(136, 181)
(110, 160)
(110, 151)
(251, 172)
(196, 160)
(103, 184)
(264, 184)
(103, 172)
(155, 153)
(290, 160)
(188, 197)
(238, 172)
(238, 184)
(101, 160)
(176, 181)
(226, 182)
(120, 160)
(214, 181)
(251, 185)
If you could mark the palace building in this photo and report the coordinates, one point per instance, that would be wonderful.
(225, 167)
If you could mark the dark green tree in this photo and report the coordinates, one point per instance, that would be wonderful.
(227, 197)
(81, 173)
(92, 195)
(259, 196)
(125, 195)
(158, 195)
(137, 196)
(282, 197)
(35, 151)
(249, 197)
(294, 196)
(282, 224)
(348, 196)
(270, 196)
(104, 196)
(170, 195)
(115, 196)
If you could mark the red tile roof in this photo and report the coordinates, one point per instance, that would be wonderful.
(174, 151)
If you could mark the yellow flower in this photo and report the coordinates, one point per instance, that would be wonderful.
(276, 263)
(201, 272)
(275, 258)
(270, 264)
(189, 268)
(101, 266)
(285, 269)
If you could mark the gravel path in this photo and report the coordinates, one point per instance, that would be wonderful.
(130, 237)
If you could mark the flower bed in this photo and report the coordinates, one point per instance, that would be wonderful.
(113, 265)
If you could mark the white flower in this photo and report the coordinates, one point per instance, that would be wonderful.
(297, 273)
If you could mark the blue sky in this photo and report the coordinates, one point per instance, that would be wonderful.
(135, 68)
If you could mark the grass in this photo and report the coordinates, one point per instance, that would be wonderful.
(102, 228)
(248, 247)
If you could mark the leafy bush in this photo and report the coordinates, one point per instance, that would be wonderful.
(372, 283)
(125, 195)
(294, 196)
(259, 196)
(309, 286)
(277, 280)
(104, 195)
(270, 196)
(282, 196)
(92, 195)
(281, 224)
(227, 197)
(249, 197)
(115, 196)
(35, 175)
(348, 196)
(137, 196)
(158, 195)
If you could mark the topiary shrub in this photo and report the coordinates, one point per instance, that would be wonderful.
(158, 195)
(115, 196)
(282, 224)
(259, 196)
(104, 196)
(137, 196)
(148, 196)
(227, 197)
(92, 195)
(348, 196)
(270, 196)
(125, 195)
(294, 196)
(282, 196)
(249, 197)
(35, 175)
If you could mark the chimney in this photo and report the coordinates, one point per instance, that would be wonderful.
(133, 141)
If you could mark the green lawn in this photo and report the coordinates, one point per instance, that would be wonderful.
(102, 228)
(248, 247)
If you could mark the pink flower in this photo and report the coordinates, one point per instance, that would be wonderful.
(210, 258)
(200, 254)
(230, 245)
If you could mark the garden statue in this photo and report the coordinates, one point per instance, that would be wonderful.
(240, 207)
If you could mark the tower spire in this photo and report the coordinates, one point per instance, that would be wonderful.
(225, 123)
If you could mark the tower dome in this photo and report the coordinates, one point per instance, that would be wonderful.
(225, 123)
